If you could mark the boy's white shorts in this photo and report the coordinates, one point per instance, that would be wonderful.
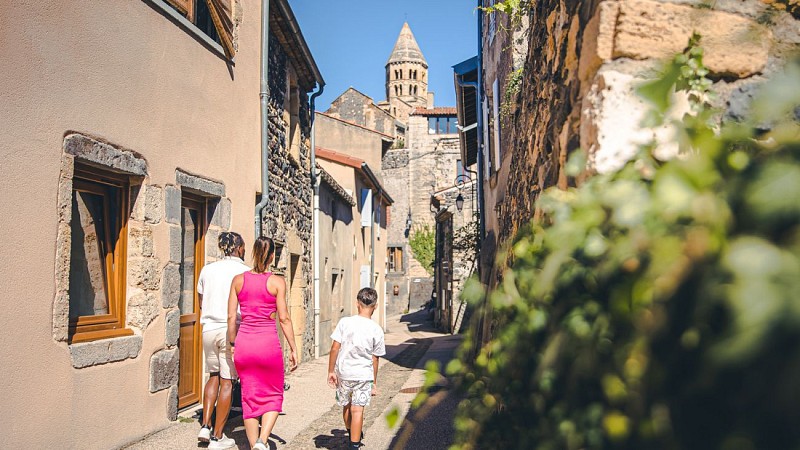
(353, 392)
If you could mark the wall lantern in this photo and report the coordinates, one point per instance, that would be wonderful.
(460, 202)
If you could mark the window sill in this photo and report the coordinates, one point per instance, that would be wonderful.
(90, 336)
(162, 7)
(93, 353)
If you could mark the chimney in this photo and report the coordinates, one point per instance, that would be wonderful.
(430, 99)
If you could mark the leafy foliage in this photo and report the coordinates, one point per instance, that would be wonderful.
(423, 246)
(513, 87)
(513, 8)
(655, 307)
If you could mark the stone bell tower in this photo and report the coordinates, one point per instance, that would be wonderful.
(406, 75)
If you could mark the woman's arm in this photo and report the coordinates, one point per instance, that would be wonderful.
(233, 307)
(283, 316)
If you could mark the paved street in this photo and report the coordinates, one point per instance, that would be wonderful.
(313, 421)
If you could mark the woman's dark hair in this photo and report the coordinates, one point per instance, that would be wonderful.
(229, 241)
(263, 249)
(367, 296)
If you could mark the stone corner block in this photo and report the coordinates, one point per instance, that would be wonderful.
(199, 184)
(176, 244)
(142, 309)
(221, 214)
(144, 273)
(171, 286)
(163, 369)
(172, 404)
(91, 150)
(733, 45)
(172, 204)
(105, 351)
(172, 328)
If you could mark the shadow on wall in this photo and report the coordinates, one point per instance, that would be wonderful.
(420, 292)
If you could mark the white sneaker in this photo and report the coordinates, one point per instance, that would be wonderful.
(259, 445)
(223, 442)
(204, 435)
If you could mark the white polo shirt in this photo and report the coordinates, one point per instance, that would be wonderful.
(215, 286)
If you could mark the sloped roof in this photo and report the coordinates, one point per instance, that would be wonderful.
(437, 111)
(406, 48)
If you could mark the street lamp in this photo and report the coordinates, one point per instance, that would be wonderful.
(459, 182)
(408, 220)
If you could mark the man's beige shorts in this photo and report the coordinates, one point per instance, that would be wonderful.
(218, 356)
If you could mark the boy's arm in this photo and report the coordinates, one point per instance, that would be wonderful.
(332, 363)
(375, 361)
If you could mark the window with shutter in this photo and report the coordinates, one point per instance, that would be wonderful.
(212, 17)
(366, 207)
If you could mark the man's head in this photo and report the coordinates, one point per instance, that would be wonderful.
(367, 298)
(231, 244)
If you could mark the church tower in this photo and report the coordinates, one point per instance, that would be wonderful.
(406, 74)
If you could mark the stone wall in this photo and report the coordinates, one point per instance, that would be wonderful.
(287, 217)
(358, 108)
(583, 63)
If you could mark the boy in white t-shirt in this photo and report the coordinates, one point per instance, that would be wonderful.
(353, 363)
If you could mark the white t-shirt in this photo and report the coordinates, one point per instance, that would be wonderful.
(214, 285)
(361, 338)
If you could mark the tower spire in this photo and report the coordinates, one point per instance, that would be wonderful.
(406, 48)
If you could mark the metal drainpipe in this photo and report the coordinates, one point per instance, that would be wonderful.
(264, 95)
(479, 108)
(315, 180)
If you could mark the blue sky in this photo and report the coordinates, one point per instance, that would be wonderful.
(351, 41)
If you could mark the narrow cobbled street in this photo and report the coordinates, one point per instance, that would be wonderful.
(312, 420)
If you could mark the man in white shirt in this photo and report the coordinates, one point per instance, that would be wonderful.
(214, 286)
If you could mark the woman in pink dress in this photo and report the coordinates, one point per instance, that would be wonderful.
(255, 345)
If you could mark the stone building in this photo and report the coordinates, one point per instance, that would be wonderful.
(129, 158)
(556, 77)
(419, 160)
(406, 77)
(356, 107)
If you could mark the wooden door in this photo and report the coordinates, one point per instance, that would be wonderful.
(190, 345)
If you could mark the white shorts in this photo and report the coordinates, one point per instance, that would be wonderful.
(353, 392)
(218, 356)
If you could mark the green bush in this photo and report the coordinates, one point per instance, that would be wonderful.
(423, 246)
(656, 307)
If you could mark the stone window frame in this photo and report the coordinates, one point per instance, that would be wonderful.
(92, 152)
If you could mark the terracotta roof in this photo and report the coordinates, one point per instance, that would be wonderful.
(406, 48)
(358, 164)
(340, 158)
(437, 111)
(355, 124)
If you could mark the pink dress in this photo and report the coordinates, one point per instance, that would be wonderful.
(258, 357)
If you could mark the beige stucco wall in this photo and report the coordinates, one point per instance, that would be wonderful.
(349, 139)
(336, 256)
(348, 178)
(125, 73)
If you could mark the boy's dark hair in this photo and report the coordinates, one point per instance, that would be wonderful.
(367, 296)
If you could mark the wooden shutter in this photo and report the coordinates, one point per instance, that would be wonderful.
(185, 7)
(222, 15)
(366, 207)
